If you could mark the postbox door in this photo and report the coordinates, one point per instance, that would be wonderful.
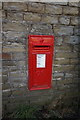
(40, 67)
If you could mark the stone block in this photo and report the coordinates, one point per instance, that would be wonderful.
(14, 16)
(3, 14)
(0, 5)
(17, 74)
(32, 17)
(75, 4)
(8, 63)
(61, 3)
(6, 86)
(63, 61)
(19, 6)
(71, 40)
(65, 20)
(70, 10)
(53, 9)
(14, 47)
(41, 29)
(64, 47)
(74, 61)
(61, 30)
(19, 56)
(75, 20)
(17, 26)
(76, 48)
(19, 92)
(57, 74)
(50, 19)
(13, 36)
(66, 55)
(77, 31)
(6, 93)
(64, 68)
(6, 56)
(4, 78)
(36, 7)
(68, 75)
(58, 40)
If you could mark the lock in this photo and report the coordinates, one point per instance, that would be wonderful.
(40, 56)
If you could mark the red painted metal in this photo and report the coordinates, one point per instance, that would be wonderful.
(40, 54)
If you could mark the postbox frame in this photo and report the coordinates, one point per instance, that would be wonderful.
(38, 51)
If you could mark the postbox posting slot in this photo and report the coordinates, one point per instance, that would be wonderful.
(39, 47)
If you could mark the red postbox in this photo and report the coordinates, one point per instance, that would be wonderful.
(40, 54)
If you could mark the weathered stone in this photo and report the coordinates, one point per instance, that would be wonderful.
(18, 56)
(65, 20)
(15, 6)
(67, 48)
(3, 14)
(76, 48)
(0, 5)
(70, 10)
(62, 61)
(50, 19)
(8, 63)
(74, 61)
(32, 17)
(72, 40)
(77, 31)
(58, 74)
(60, 3)
(14, 47)
(58, 40)
(14, 16)
(6, 93)
(5, 86)
(43, 29)
(4, 78)
(36, 7)
(17, 26)
(66, 55)
(76, 4)
(52, 9)
(17, 74)
(75, 20)
(61, 30)
(64, 68)
(14, 36)
(65, 81)
(6, 56)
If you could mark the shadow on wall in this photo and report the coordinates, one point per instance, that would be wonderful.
(79, 58)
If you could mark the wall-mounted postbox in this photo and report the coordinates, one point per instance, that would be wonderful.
(40, 53)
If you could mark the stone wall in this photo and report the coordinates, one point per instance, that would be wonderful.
(19, 19)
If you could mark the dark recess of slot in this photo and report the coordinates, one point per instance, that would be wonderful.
(41, 46)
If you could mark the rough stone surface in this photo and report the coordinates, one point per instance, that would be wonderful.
(44, 29)
(36, 7)
(70, 10)
(52, 9)
(75, 20)
(19, 26)
(72, 40)
(14, 16)
(32, 17)
(61, 30)
(20, 19)
(76, 4)
(0, 5)
(50, 19)
(20, 6)
(64, 20)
